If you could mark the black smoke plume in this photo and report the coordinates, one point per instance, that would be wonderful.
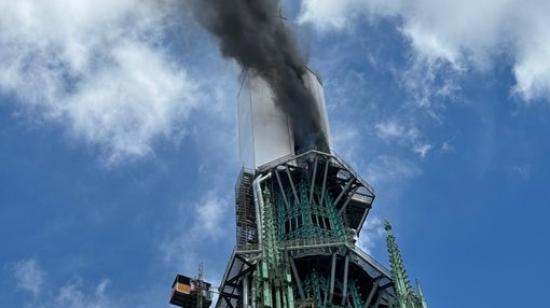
(253, 33)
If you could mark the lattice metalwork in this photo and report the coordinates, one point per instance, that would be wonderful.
(303, 219)
(298, 219)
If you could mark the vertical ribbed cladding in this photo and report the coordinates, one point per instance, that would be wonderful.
(265, 132)
(314, 85)
(253, 34)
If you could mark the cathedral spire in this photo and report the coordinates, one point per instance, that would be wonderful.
(405, 297)
(421, 298)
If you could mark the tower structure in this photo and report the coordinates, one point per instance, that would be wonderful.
(299, 213)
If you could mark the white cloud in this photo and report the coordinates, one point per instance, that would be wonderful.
(372, 234)
(98, 67)
(391, 130)
(345, 141)
(447, 147)
(29, 276)
(77, 295)
(462, 33)
(329, 14)
(208, 221)
(422, 149)
(429, 81)
(389, 169)
(210, 215)
(326, 14)
(206, 225)
(78, 292)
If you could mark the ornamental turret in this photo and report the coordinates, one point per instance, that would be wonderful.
(405, 297)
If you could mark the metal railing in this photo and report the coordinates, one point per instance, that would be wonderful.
(311, 243)
(336, 157)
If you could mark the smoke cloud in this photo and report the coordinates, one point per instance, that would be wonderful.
(253, 33)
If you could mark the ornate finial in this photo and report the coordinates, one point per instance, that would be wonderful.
(421, 298)
(387, 225)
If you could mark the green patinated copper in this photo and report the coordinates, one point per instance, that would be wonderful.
(308, 220)
(275, 278)
(405, 297)
(303, 219)
(355, 296)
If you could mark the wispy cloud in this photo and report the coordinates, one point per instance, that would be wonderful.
(28, 276)
(391, 169)
(372, 234)
(211, 213)
(522, 171)
(447, 147)
(99, 68)
(391, 130)
(430, 82)
(327, 15)
(422, 149)
(208, 222)
(78, 295)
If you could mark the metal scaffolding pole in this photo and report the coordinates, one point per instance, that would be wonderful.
(332, 277)
(345, 287)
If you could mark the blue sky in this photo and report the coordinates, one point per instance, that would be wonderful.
(118, 149)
